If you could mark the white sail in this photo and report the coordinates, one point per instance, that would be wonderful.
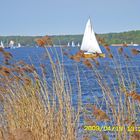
(11, 43)
(1, 44)
(19, 45)
(73, 44)
(68, 44)
(89, 42)
(78, 45)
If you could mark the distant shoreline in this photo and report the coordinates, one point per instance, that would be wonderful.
(109, 38)
(124, 45)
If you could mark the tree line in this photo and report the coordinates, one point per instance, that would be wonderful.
(108, 38)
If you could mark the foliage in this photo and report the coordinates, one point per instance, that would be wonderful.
(109, 38)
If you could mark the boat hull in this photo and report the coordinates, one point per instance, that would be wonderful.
(93, 55)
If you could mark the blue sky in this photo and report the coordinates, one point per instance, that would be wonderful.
(54, 17)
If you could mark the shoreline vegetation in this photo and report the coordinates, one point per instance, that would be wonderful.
(110, 38)
(35, 109)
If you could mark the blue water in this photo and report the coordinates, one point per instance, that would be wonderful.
(109, 69)
(130, 67)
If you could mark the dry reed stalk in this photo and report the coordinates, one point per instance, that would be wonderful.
(47, 114)
(123, 108)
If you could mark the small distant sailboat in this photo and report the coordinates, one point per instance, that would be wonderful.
(135, 44)
(1, 45)
(78, 45)
(68, 45)
(19, 45)
(90, 45)
(72, 44)
(11, 44)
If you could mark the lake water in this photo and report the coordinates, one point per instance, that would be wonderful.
(108, 68)
(130, 67)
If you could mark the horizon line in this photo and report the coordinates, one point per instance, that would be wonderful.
(63, 34)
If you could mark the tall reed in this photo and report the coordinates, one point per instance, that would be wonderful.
(119, 105)
(37, 109)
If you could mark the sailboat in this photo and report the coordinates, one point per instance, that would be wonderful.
(78, 45)
(11, 44)
(68, 45)
(89, 44)
(72, 44)
(18, 45)
(1, 45)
